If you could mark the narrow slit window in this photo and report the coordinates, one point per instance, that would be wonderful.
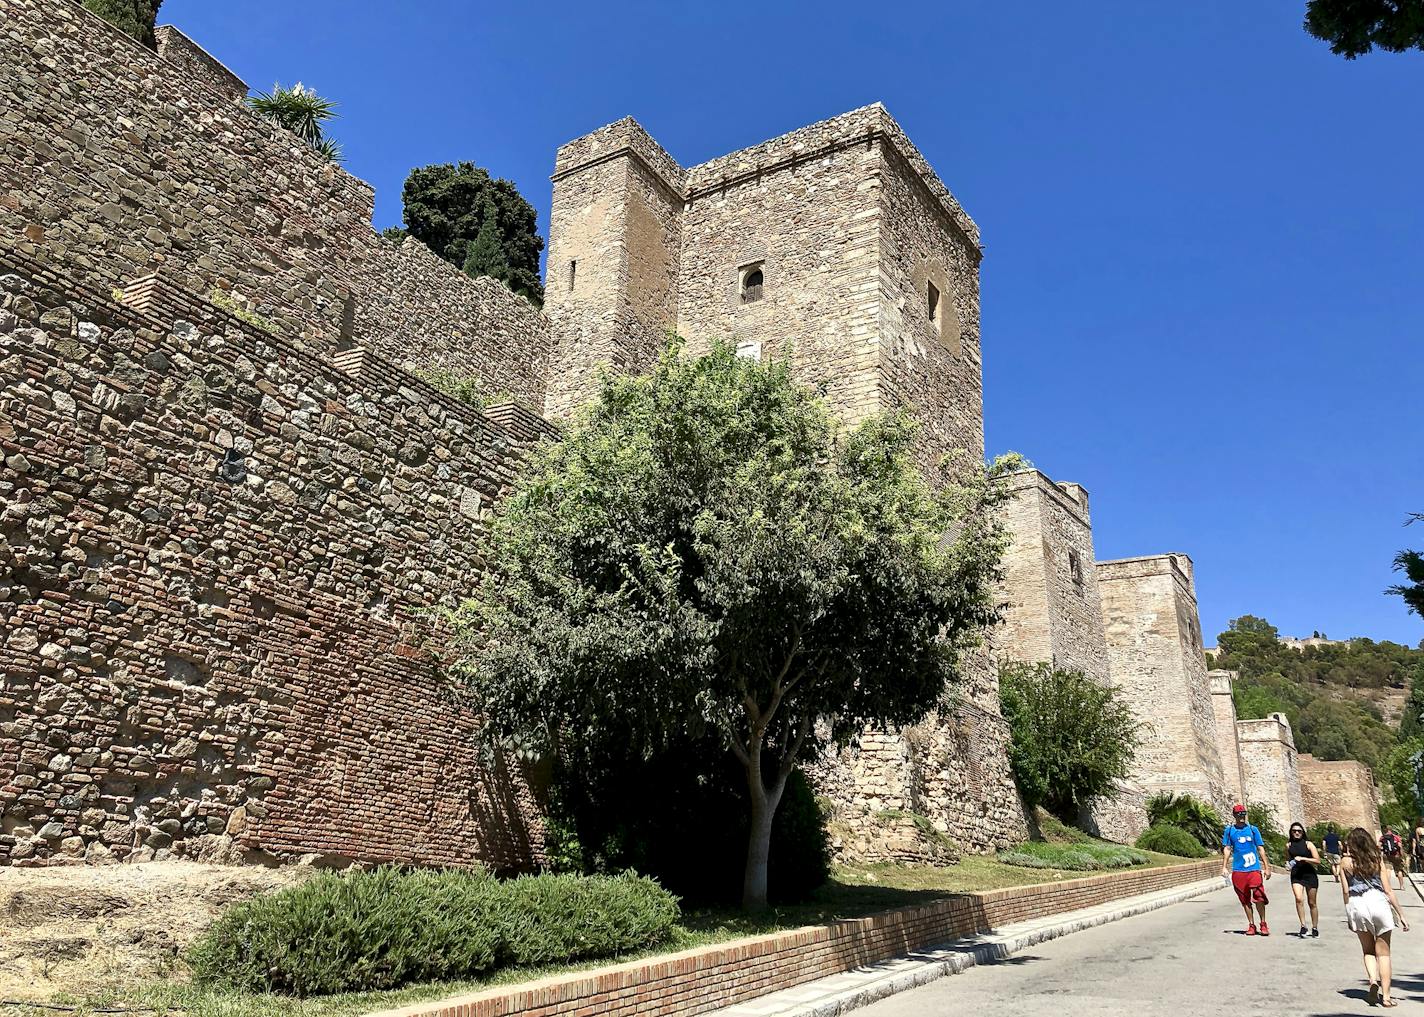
(932, 302)
(1075, 568)
(573, 273)
(752, 280)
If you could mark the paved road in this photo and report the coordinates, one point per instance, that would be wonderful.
(1185, 960)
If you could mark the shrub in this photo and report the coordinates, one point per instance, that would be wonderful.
(1171, 840)
(1073, 857)
(1198, 818)
(1073, 738)
(387, 927)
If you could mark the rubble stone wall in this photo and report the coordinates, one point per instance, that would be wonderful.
(1339, 791)
(215, 549)
(1269, 768)
(116, 162)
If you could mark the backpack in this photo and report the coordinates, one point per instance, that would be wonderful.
(1390, 845)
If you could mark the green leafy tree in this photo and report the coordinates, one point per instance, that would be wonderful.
(301, 111)
(477, 223)
(1333, 696)
(705, 553)
(136, 17)
(1355, 27)
(1073, 738)
(1411, 563)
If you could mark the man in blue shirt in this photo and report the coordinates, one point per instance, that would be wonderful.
(1243, 855)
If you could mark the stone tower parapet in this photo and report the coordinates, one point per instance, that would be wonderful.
(1155, 656)
(1269, 767)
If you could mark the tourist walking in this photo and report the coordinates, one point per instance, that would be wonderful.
(1393, 852)
(1243, 854)
(1332, 850)
(1416, 846)
(1371, 909)
(1302, 858)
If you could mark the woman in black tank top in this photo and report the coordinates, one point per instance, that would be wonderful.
(1302, 858)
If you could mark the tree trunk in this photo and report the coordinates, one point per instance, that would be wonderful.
(764, 803)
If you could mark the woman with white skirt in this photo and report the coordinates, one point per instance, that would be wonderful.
(1371, 909)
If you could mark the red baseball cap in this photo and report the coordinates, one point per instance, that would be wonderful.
(1237, 809)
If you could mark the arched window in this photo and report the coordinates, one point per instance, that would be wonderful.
(751, 284)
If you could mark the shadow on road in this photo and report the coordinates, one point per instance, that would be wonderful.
(1011, 960)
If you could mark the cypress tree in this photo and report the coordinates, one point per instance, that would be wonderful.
(136, 17)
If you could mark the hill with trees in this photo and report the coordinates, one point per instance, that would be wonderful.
(1344, 700)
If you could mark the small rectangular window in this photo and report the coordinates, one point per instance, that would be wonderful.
(573, 273)
(1075, 568)
(932, 302)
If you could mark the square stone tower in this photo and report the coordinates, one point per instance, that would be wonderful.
(1052, 608)
(835, 245)
(1224, 707)
(1269, 767)
(1053, 611)
(1155, 656)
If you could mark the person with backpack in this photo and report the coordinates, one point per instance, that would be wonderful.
(1371, 909)
(1243, 856)
(1332, 851)
(1392, 851)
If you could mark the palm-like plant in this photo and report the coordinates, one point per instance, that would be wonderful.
(301, 111)
(1193, 815)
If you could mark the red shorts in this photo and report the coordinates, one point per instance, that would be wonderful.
(1250, 887)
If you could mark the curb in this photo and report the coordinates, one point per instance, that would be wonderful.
(960, 955)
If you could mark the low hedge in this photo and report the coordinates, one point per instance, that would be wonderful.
(387, 927)
(1171, 840)
(1073, 857)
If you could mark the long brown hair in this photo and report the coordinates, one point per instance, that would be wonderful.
(1364, 853)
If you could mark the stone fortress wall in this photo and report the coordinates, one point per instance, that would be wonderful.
(221, 528)
(124, 163)
(1339, 791)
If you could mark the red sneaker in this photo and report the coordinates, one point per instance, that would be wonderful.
(1251, 930)
(1265, 929)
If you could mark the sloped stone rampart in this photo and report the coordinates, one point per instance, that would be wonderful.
(216, 551)
(1339, 791)
(115, 162)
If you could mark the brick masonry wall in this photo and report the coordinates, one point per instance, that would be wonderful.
(1155, 656)
(115, 162)
(1338, 791)
(1269, 769)
(706, 979)
(216, 546)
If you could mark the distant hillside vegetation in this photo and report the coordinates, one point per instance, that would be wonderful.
(1344, 701)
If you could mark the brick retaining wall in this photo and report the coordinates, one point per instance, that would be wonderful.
(708, 978)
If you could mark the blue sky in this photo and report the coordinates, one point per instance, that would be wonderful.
(1203, 289)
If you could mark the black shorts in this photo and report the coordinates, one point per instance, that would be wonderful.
(1306, 877)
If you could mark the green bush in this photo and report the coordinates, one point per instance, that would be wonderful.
(1073, 857)
(1171, 840)
(1072, 738)
(387, 927)
(1198, 818)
